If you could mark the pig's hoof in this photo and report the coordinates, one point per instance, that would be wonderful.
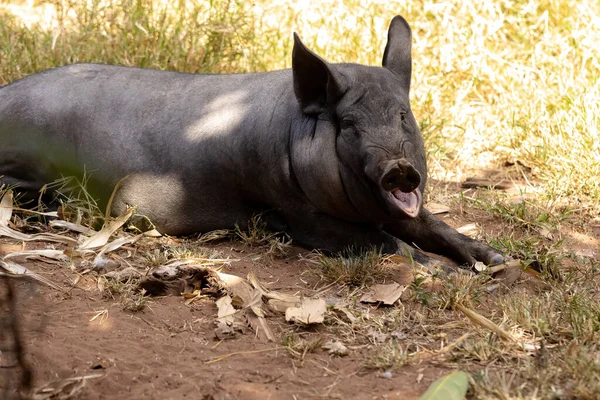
(496, 259)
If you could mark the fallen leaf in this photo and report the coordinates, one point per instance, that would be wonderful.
(398, 259)
(436, 208)
(225, 310)
(240, 288)
(509, 275)
(546, 233)
(336, 348)
(152, 233)
(17, 269)
(39, 254)
(386, 294)
(311, 311)
(279, 306)
(471, 230)
(42, 237)
(586, 253)
(101, 237)
(262, 322)
(453, 386)
(100, 260)
(346, 313)
(59, 223)
(227, 319)
(282, 297)
(6, 208)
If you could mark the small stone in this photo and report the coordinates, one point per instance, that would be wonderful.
(387, 375)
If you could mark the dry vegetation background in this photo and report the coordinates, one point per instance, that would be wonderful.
(493, 80)
(496, 84)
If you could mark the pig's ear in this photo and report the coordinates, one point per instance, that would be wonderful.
(397, 55)
(316, 83)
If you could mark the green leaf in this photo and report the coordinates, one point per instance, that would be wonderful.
(450, 387)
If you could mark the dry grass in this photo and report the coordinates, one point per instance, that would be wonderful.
(494, 81)
(350, 267)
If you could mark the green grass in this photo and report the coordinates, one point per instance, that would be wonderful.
(494, 81)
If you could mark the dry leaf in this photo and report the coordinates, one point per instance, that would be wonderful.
(43, 237)
(39, 254)
(225, 310)
(17, 269)
(386, 294)
(262, 322)
(101, 238)
(152, 233)
(311, 311)
(281, 297)
(59, 223)
(227, 319)
(509, 275)
(377, 336)
(239, 287)
(346, 313)
(436, 208)
(279, 306)
(471, 230)
(336, 348)
(6, 208)
(100, 260)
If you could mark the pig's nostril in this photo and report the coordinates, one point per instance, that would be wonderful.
(403, 176)
(392, 179)
(413, 177)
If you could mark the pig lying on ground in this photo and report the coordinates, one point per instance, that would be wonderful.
(329, 153)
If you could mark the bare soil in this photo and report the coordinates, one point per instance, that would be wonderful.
(162, 351)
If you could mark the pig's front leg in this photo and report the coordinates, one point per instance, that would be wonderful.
(431, 234)
(320, 231)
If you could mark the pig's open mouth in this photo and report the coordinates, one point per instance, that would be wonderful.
(409, 203)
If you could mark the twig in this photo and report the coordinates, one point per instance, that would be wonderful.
(480, 320)
(503, 266)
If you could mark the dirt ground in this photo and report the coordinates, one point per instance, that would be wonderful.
(161, 351)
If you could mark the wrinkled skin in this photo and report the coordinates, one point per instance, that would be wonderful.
(330, 153)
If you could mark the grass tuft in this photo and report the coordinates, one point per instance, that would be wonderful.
(352, 267)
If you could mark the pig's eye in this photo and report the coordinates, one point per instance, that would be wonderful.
(346, 124)
(348, 128)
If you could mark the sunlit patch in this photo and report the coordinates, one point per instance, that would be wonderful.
(100, 321)
(586, 244)
(149, 188)
(221, 116)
